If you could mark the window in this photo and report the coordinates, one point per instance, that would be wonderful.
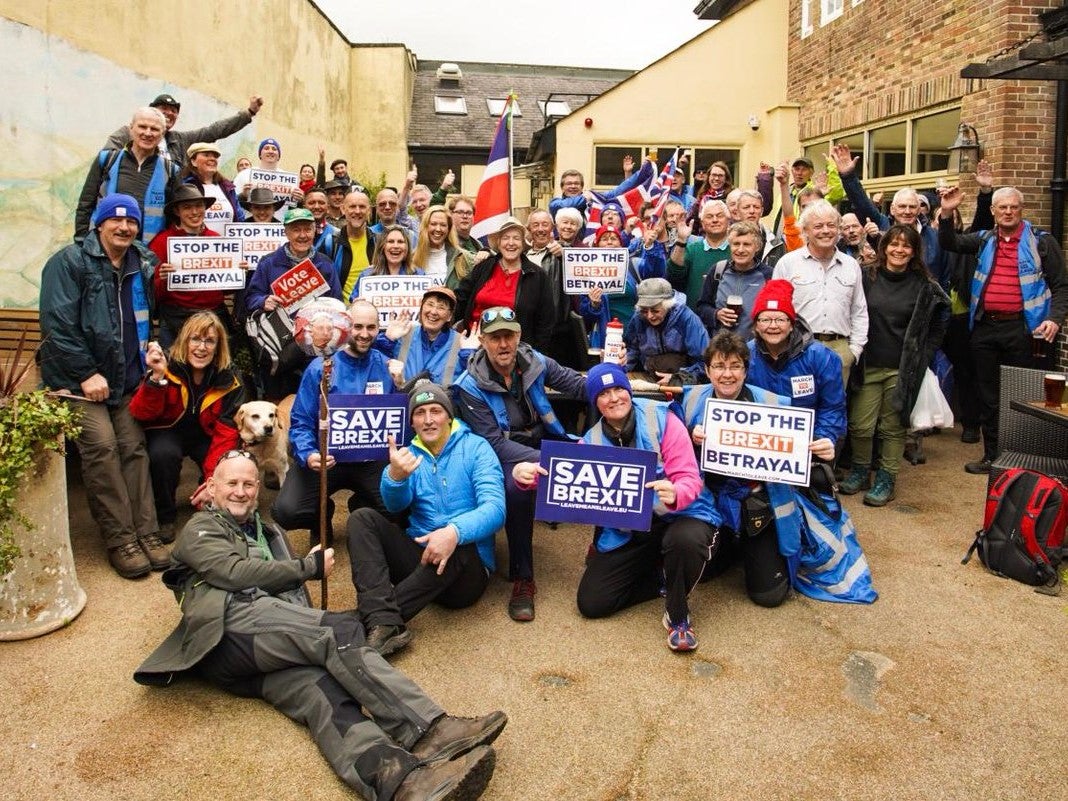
(830, 10)
(554, 108)
(608, 164)
(608, 161)
(931, 138)
(496, 107)
(888, 151)
(806, 18)
(449, 105)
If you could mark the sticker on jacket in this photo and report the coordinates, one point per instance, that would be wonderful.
(374, 388)
(803, 385)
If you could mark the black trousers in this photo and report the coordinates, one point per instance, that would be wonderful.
(672, 554)
(392, 585)
(767, 578)
(993, 344)
(166, 449)
(957, 347)
(297, 504)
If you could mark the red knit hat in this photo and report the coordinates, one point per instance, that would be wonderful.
(606, 229)
(775, 295)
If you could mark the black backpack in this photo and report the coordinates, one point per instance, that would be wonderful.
(1024, 529)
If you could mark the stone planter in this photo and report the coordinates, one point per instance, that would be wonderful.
(42, 594)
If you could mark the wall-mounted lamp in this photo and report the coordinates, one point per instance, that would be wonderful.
(964, 153)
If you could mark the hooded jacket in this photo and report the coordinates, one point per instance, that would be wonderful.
(681, 332)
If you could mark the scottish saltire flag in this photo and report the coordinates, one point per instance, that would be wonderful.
(661, 190)
(630, 194)
(494, 200)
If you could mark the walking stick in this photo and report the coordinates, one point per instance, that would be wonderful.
(326, 537)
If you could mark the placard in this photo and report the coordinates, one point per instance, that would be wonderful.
(596, 484)
(298, 285)
(205, 262)
(393, 295)
(586, 269)
(360, 425)
(757, 442)
(279, 182)
(257, 239)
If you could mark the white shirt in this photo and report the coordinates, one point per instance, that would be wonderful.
(436, 265)
(830, 299)
(220, 212)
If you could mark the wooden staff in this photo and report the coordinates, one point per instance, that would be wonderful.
(326, 538)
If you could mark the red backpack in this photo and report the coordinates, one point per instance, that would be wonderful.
(1023, 534)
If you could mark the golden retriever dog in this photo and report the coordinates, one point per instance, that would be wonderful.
(262, 426)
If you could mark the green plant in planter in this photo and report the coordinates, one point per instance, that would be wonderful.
(30, 422)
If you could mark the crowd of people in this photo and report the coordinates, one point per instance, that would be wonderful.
(838, 313)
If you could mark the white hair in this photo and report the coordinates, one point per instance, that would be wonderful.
(150, 112)
(709, 204)
(1006, 190)
(568, 213)
(820, 209)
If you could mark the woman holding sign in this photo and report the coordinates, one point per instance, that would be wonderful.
(186, 404)
(392, 256)
(185, 216)
(624, 568)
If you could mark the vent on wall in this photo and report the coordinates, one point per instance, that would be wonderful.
(450, 73)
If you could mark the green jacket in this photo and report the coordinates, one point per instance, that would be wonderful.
(212, 560)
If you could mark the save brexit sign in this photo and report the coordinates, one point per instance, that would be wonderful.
(757, 442)
(204, 262)
(257, 239)
(586, 269)
(596, 484)
(298, 285)
(361, 424)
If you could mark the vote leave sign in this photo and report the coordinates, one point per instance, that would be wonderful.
(204, 262)
(298, 285)
(596, 484)
(393, 295)
(257, 239)
(586, 269)
(757, 442)
(360, 425)
(280, 183)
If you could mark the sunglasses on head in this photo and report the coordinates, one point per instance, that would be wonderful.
(489, 315)
(235, 453)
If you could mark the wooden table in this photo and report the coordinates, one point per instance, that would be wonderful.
(1057, 415)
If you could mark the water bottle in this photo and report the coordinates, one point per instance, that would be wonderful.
(613, 342)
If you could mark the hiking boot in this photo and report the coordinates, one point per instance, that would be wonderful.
(129, 560)
(882, 492)
(159, 555)
(978, 468)
(859, 478)
(448, 737)
(388, 639)
(681, 636)
(462, 779)
(521, 605)
(166, 533)
(970, 434)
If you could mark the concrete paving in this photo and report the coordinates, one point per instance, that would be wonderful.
(951, 686)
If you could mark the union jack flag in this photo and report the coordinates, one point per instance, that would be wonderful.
(630, 195)
(661, 190)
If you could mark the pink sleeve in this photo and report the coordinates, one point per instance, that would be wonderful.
(680, 465)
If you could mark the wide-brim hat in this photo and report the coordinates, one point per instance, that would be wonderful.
(184, 194)
(261, 196)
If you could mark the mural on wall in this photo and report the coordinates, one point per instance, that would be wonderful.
(59, 107)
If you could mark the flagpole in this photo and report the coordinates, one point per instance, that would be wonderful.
(511, 133)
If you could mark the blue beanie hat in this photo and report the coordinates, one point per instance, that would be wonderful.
(116, 205)
(602, 376)
(269, 141)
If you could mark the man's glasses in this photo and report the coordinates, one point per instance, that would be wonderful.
(499, 313)
(236, 453)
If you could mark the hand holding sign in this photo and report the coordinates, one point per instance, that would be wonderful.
(402, 462)
(822, 449)
(665, 491)
(526, 474)
(439, 545)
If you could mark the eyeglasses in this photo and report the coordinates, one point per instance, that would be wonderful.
(464, 212)
(772, 321)
(720, 367)
(498, 313)
(645, 311)
(236, 453)
(203, 342)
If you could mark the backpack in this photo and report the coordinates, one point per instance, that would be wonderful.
(1024, 529)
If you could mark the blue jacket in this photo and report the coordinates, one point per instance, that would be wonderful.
(809, 373)
(681, 332)
(463, 485)
(350, 376)
(420, 353)
(275, 264)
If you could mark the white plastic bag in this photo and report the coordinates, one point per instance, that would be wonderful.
(931, 409)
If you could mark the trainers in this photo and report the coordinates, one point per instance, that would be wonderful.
(978, 468)
(859, 478)
(882, 492)
(681, 636)
(448, 737)
(462, 779)
(388, 639)
(166, 533)
(521, 605)
(129, 560)
(159, 555)
(969, 435)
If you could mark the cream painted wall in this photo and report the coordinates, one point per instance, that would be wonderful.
(379, 119)
(740, 67)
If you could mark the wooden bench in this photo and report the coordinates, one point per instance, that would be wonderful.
(12, 324)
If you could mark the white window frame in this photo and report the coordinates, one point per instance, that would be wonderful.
(561, 106)
(830, 10)
(496, 106)
(444, 107)
(806, 19)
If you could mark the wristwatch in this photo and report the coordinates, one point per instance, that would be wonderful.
(161, 383)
